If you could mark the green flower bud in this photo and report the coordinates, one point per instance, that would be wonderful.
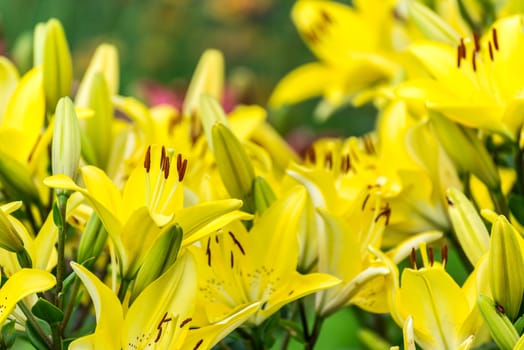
(263, 194)
(66, 139)
(92, 241)
(9, 238)
(56, 62)
(505, 266)
(430, 24)
(161, 256)
(466, 150)
(500, 327)
(469, 227)
(208, 79)
(234, 165)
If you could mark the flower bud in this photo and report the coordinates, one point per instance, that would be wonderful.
(9, 238)
(263, 194)
(56, 61)
(500, 327)
(208, 79)
(469, 228)
(430, 24)
(92, 241)
(66, 139)
(505, 266)
(466, 150)
(161, 256)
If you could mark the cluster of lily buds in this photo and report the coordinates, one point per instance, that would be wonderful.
(124, 225)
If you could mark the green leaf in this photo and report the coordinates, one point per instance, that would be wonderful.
(519, 324)
(516, 206)
(9, 333)
(35, 337)
(48, 312)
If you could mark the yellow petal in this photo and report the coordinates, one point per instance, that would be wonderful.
(437, 304)
(109, 314)
(23, 283)
(8, 81)
(162, 313)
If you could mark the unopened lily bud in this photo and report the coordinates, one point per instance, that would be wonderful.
(9, 238)
(500, 327)
(506, 265)
(263, 195)
(104, 61)
(466, 150)
(469, 228)
(92, 241)
(16, 181)
(234, 165)
(66, 139)
(208, 79)
(56, 62)
(430, 24)
(161, 256)
(211, 113)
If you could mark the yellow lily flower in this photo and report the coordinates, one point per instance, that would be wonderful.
(444, 315)
(20, 285)
(152, 198)
(475, 83)
(159, 318)
(238, 267)
(351, 46)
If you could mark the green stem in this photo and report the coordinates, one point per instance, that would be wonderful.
(31, 319)
(124, 285)
(70, 305)
(519, 168)
(60, 267)
(317, 326)
(500, 202)
(303, 319)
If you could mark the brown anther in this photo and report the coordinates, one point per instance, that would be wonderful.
(186, 321)
(365, 202)
(237, 243)
(444, 255)
(495, 38)
(431, 257)
(182, 170)
(231, 259)
(208, 251)
(462, 48)
(311, 36)
(311, 155)
(476, 41)
(159, 327)
(147, 159)
(474, 61)
(490, 49)
(162, 157)
(459, 55)
(345, 163)
(198, 344)
(178, 162)
(327, 18)
(166, 167)
(386, 211)
(413, 259)
(328, 160)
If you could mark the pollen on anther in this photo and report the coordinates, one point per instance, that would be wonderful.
(495, 38)
(477, 42)
(444, 255)
(431, 257)
(490, 49)
(147, 159)
(474, 61)
(178, 161)
(182, 170)
(459, 55)
(186, 321)
(198, 344)
(413, 259)
(162, 157)
(166, 167)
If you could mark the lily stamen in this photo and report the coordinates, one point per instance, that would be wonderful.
(495, 38)
(474, 60)
(476, 41)
(444, 255)
(490, 51)
(413, 259)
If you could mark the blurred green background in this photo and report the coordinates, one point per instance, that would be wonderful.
(160, 41)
